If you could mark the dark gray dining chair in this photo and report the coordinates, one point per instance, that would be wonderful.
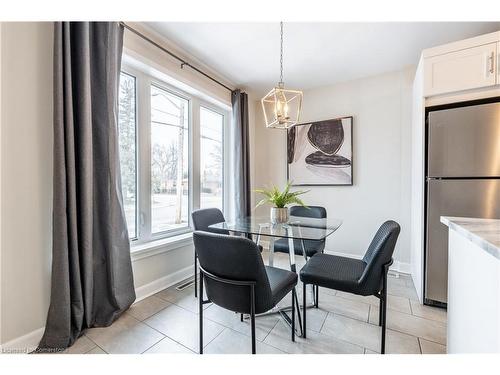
(311, 246)
(235, 278)
(365, 277)
(201, 220)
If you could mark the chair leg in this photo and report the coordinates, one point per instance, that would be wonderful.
(304, 304)
(294, 299)
(384, 310)
(252, 316)
(380, 311)
(316, 299)
(200, 304)
(195, 275)
(241, 317)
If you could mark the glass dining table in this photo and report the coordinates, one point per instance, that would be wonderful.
(297, 229)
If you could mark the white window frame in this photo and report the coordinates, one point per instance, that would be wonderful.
(144, 81)
(225, 121)
(137, 213)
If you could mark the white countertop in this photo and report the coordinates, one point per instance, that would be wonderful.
(483, 232)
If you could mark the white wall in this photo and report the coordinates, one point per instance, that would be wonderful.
(417, 182)
(26, 169)
(1, 27)
(26, 188)
(381, 107)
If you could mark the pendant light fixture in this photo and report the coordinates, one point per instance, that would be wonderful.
(281, 106)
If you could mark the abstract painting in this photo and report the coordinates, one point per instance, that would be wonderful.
(320, 153)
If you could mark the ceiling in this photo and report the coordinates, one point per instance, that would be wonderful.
(315, 54)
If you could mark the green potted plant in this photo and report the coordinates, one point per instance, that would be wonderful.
(280, 200)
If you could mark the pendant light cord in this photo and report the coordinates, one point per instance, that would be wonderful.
(281, 55)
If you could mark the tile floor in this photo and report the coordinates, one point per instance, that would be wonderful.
(167, 322)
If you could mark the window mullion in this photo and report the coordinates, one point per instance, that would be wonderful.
(195, 154)
(226, 188)
(144, 106)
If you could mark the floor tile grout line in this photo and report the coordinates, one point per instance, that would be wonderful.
(220, 333)
(402, 312)
(204, 317)
(191, 313)
(417, 316)
(146, 324)
(388, 329)
(434, 342)
(163, 338)
(400, 331)
(409, 334)
(97, 345)
(274, 326)
(349, 316)
(419, 345)
(335, 337)
(321, 334)
(164, 335)
(324, 320)
(224, 324)
(262, 342)
(426, 339)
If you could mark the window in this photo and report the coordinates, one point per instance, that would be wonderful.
(127, 146)
(211, 158)
(169, 161)
(171, 155)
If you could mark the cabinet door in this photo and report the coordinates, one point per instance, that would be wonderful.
(461, 70)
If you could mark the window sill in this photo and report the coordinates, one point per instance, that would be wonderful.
(146, 250)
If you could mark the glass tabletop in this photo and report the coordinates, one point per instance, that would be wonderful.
(297, 227)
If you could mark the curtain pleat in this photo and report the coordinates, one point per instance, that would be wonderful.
(241, 142)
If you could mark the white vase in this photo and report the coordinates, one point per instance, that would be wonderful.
(279, 215)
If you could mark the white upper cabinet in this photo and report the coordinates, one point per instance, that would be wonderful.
(465, 69)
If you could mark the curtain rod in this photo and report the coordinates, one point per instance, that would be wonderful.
(183, 62)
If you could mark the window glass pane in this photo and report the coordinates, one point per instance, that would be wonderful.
(127, 146)
(169, 161)
(211, 158)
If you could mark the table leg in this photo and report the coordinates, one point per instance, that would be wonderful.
(271, 251)
(314, 295)
(283, 310)
(291, 252)
(293, 268)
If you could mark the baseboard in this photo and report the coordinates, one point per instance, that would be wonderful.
(23, 344)
(401, 267)
(157, 285)
(29, 342)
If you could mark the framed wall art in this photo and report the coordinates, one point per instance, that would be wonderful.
(320, 153)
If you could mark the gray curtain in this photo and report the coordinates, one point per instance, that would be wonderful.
(241, 153)
(92, 282)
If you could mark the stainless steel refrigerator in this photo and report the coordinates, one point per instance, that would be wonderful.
(463, 179)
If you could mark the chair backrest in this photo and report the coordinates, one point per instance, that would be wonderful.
(315, 212)
(204, 217)
(379, 253)
(233, 258)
